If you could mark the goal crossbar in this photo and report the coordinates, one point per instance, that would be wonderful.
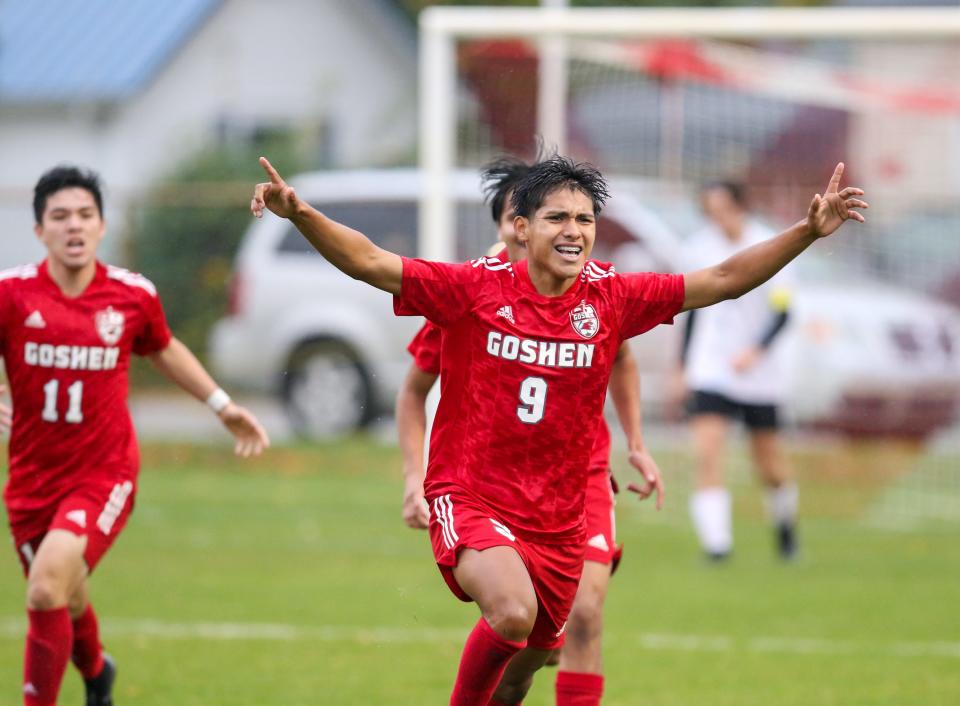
(441, 27)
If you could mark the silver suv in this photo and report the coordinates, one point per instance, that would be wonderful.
(331, 346)
(869, 359)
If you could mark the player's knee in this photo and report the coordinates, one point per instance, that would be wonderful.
(45, 592)
(585, 622)
(77, 603)
(512, 619)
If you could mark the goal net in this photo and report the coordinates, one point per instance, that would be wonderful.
(663, 101)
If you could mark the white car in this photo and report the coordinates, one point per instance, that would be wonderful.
(869, 359)
(331, 346)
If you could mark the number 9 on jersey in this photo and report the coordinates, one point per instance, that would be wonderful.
(533, 397)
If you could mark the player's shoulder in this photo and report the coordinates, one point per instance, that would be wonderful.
(597, 271)
(134, 281)
(20, 273)
(496, 264)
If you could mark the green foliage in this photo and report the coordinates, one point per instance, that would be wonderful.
(186, 232)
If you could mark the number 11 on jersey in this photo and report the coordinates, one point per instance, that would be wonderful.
(533, 397)
(74, 413)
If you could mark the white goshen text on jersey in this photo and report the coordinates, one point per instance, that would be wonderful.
(548, 354)
(47, 355)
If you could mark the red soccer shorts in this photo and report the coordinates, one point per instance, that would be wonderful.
(601, 524)
(458, 522)
(97, 510)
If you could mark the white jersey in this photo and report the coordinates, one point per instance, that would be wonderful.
(724, 330)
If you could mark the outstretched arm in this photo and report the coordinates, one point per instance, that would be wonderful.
(752, 267)
(181, 366)
(625, 391)
(412, 428)
(346, 249)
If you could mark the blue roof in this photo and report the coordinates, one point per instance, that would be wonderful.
(67, 50)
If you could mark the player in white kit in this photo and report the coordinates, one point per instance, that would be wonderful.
(732, 364)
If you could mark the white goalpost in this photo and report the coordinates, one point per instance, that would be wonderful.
(442, 27)
(664, 100)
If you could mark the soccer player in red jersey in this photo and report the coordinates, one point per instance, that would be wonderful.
(581, 666)
(518, 415)
(67, 329)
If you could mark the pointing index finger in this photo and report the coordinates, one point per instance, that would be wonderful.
(271, 172)
(835, 179)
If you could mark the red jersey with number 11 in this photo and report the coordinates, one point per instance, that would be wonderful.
(524, 380)
(67, 361)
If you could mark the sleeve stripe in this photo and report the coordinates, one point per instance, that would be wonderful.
(492, 263)
(592, 272)
(131, 279)
(23, 272)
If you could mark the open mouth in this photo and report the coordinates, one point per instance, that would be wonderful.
(75, 246)
(571, 253)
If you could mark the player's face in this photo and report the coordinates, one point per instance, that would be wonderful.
(560, 235)
(720, 208)
(71, 228)
(507, 234)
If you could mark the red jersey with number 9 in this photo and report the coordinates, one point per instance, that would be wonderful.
(524, 378)
(426, 348)
(67, 362)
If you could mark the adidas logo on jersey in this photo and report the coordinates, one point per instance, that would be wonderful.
(507, 313)
(599, 542)
(35, 320)
(78, 517)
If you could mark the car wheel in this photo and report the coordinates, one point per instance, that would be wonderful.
(326, 390)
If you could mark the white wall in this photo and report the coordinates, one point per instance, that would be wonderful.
(300, 63)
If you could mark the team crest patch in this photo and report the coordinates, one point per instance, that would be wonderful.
(110, 325)
(584, 320)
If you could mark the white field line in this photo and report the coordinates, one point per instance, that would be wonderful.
(14, 629)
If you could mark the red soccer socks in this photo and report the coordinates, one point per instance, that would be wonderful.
(49, 639)
(485, 656)
(87, 650)
(579, 689)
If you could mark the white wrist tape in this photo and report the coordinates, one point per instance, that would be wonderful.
(217, 400)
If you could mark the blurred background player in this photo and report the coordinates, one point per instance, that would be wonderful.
(580, 659)
(733, 371)
(67, 329)
(518, 415)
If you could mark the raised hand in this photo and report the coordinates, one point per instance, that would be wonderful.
(828, 212)
(251, 438)
(275, 195)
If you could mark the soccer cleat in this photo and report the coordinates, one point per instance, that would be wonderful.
(787, 541)
(100, 688)
(717, 557)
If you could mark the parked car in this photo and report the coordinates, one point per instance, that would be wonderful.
(331, 346)
(869, 359)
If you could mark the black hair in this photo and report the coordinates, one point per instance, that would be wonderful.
(65, 176)
(555, 173)
(498, 178)
(736, 190)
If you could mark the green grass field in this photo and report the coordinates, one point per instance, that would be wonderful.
(292, 581)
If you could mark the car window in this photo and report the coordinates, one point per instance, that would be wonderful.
(390, 224)
(393, 226)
